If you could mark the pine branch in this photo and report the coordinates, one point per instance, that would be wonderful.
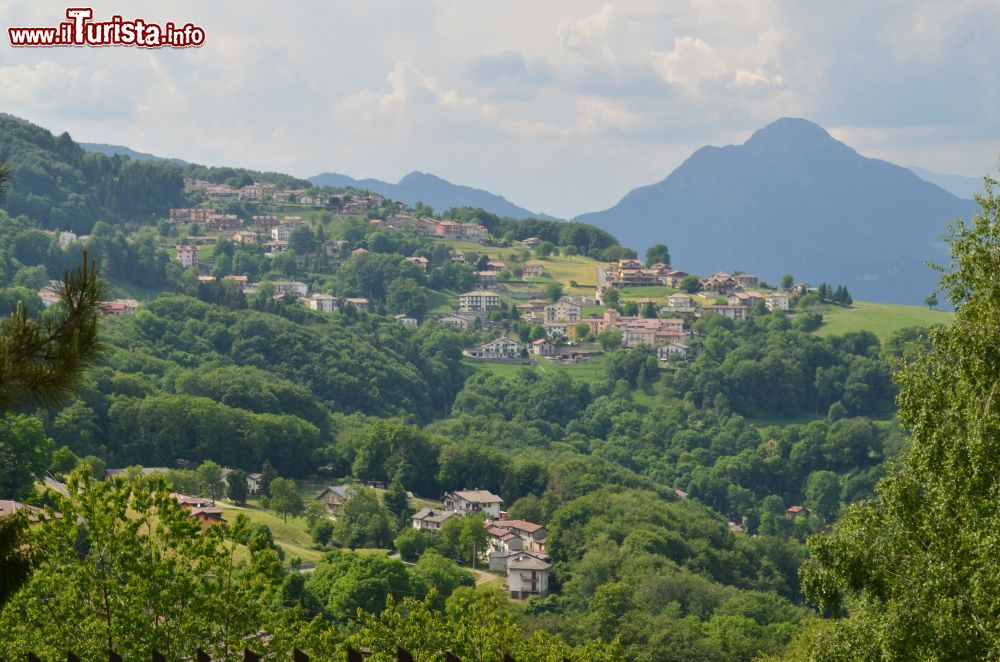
(41, 364)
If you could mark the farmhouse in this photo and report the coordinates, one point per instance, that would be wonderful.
(746, 281)
(533, 270)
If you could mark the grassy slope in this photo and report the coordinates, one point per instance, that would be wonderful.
(882, 319)
(291, 536)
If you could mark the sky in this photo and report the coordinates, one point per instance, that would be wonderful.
(561, 106)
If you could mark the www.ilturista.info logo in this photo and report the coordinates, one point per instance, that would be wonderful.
(81, 30)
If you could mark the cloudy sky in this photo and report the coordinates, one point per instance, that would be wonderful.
(562, 106)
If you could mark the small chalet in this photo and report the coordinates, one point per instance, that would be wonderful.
(334, 496)
(431, 520)
(474, 501)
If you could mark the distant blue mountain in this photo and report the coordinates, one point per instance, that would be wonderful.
(431, 190)
(791, 199)
(111, 150)
(957, 185)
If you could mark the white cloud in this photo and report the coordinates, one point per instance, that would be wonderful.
(690, 64)
(575, 33)
(46, 87)
(744, 78)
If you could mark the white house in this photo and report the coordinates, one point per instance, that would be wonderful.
(527, 575)
(254, 482)
(474, 501)
(501, 348)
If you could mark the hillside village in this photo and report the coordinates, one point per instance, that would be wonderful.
(571, 323)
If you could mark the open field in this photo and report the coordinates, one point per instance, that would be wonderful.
(586, 370)
(651, 292)
(882, 319)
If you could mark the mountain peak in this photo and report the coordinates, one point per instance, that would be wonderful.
(792, 131)
(793, 199)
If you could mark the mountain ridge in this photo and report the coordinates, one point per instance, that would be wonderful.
(431, 190)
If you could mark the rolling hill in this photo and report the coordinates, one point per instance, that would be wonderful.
(792, 199)
(431, 190)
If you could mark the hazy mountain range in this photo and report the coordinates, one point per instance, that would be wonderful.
(963, 187)
(431, 190)
(792, 199)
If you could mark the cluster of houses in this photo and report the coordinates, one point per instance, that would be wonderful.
(632, 273)
(515, 547)
(259, 192)
(432, 227)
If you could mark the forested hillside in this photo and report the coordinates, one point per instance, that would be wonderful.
(678, 491)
